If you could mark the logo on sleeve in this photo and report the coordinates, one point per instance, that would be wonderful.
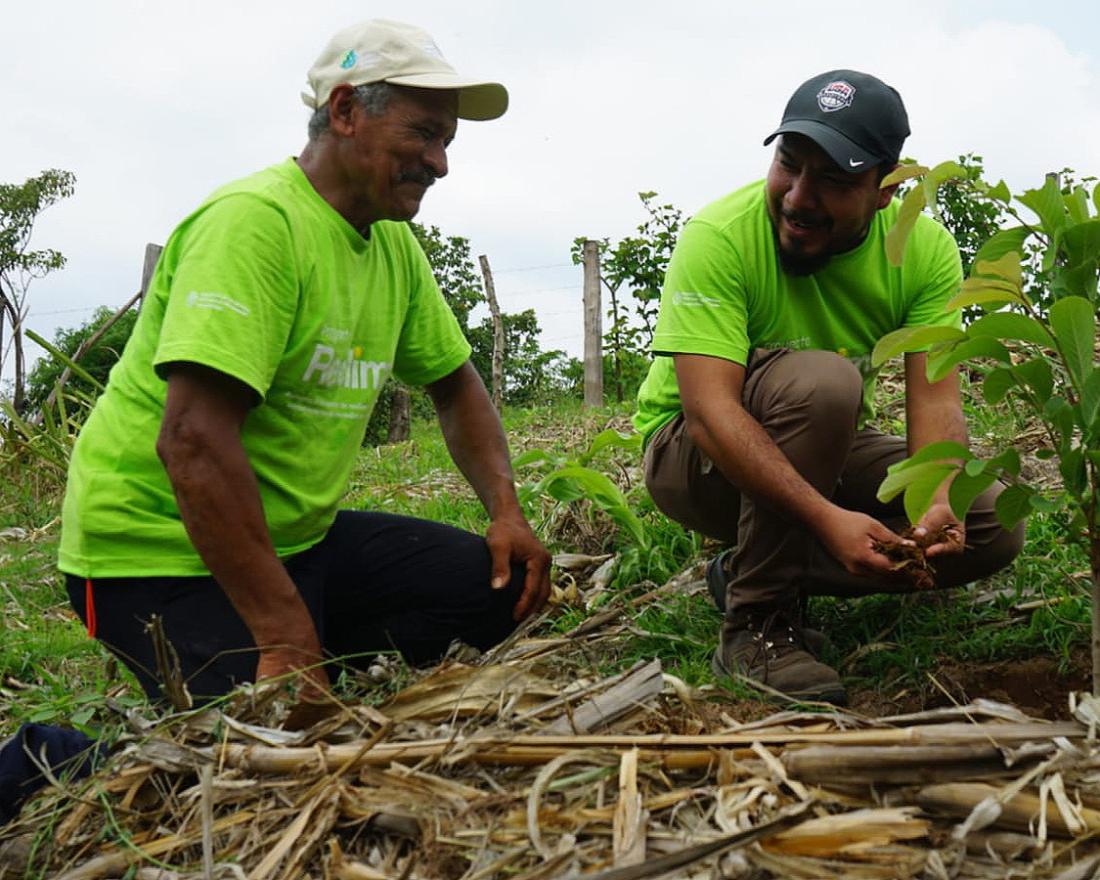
(216, 302)
(836, 96)
(694, 298)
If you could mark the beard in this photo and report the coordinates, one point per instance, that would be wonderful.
(801, 264)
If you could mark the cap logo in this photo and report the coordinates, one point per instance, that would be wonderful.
(836, 96)
(430, 48)
(349, 60)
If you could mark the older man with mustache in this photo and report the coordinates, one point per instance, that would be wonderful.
(206, 486)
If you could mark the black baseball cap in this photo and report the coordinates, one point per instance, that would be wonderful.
(854, 117)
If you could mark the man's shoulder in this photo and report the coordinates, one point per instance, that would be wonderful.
(274, 185)
(742, 208)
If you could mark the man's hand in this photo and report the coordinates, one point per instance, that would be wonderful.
(940, 522)
(851, 536)
(302, 667)
(511, 540)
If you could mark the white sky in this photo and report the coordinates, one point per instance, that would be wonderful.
(153, 105)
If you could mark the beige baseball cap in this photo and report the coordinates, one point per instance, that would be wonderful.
(389, 51)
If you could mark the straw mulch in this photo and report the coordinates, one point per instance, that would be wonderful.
(492, 770)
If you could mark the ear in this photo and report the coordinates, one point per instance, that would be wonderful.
(341, 110)
(885, 194)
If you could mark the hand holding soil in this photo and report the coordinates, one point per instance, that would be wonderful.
(909, 558)
(855, 540)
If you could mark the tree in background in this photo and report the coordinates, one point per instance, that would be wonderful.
(97, 361)
(20, 205)
(530, 375)
(638, 263)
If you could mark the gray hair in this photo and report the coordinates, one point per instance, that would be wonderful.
(373, 97)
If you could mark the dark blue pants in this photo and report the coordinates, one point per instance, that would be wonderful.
(377, 582)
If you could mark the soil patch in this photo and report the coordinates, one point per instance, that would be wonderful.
(1036, 686)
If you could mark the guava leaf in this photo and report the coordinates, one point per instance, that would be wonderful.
(1037, 375)
(1005, 267)
(1004, 242)
(1048, 203)
(1042, 504)
(965, 488)
(911, 339)
(1007, 461)
(1082, 241)
(1000, 192)
(921, 491)
(996, 384)
(1077, 204)
(936, 178)
(1073, 320)
(901, 173)
(898, 236)
(1071, 464)
(941, 450)
(1010, 325)
(1079, 279)
(941, 360)
(983, 292)
(1013, 505)
(898, 481)
(1090, 399)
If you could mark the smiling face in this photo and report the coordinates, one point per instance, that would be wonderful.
(817, 208)
(389, 161)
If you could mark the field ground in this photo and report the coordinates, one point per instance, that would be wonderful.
(1021, 637)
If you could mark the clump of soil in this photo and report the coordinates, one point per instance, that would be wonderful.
(909, 559)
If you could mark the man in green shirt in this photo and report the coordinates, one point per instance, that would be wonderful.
(206, 485)
(754, 409)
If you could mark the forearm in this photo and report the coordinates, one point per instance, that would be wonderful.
(475, 439)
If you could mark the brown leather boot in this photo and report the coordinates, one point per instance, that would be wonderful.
(718, 578)
(760, 645)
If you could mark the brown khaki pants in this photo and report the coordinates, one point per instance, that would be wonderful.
(808, 402)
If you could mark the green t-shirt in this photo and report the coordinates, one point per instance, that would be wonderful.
(725, 295)
(267, 283)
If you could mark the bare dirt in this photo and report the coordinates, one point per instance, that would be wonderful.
(1036, 686)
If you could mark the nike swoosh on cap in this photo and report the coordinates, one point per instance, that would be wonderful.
(854, 163)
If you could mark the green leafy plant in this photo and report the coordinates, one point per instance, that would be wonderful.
(47, 441)
(569, 480)
(1038, 352)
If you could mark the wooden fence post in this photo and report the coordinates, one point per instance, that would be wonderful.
(152, 254)
(498, 334)
(593, 332)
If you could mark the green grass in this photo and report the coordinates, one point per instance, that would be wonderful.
(50, 671)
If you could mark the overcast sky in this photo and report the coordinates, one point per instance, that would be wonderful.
(154, 104)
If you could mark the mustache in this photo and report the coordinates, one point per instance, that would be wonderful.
(424, 177)
(804, 218)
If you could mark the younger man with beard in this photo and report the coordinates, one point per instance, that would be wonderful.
(754, 410)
